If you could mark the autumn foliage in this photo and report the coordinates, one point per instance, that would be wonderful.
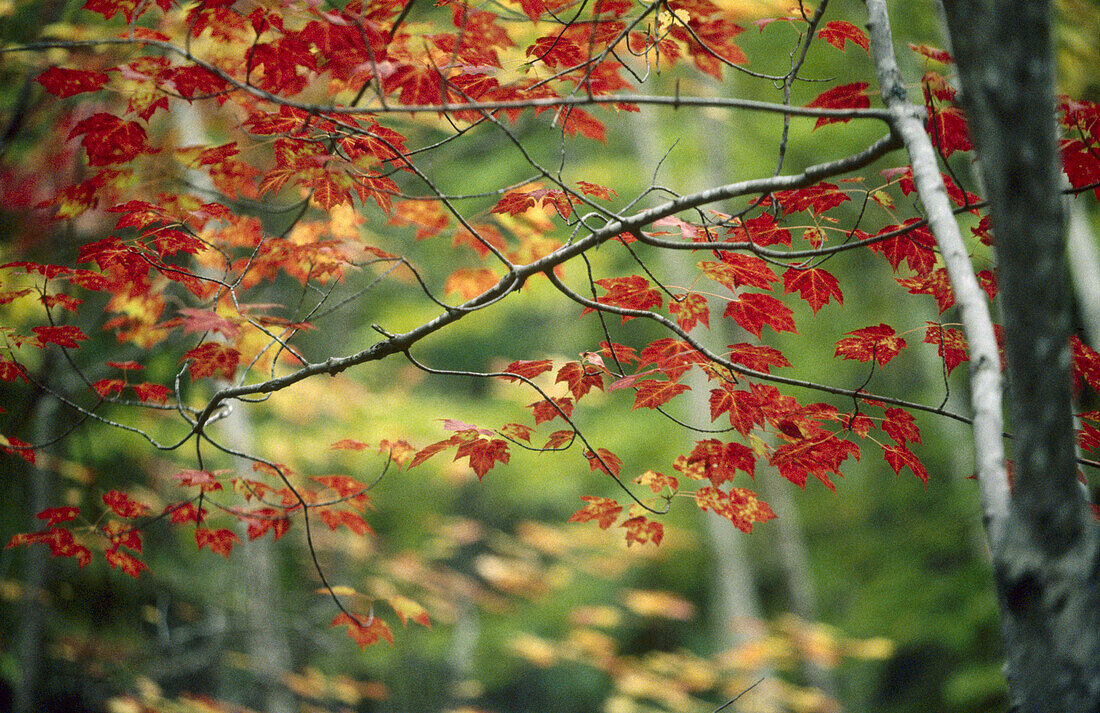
(326, 115)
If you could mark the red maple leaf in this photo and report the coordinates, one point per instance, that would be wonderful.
(152, 393)
(757, 356)
(915, 245)
(1081, 164)
(947, 127)
(901, 457)
(212, 358)
(594, 189)
(932, 53)
(10, 371)
(527, 369)
(65, 336)
(579, 379)
(578, 121)
(549, 409)
(107, 387)
(737, 270)
(950, 344)
(899, 425)
(67, 82)
(345, 518)
(652, 393)
(817, 198)
(761, 230)
(633, 292)
(261, 520)
(1086, 364)
(604, 511)
(125, 561)
(817, 455)
(754, 311)
(204, 320)
(815, 285)
(690, 310)
(52, 516)
(719, 462)
(109, 139)
(936, 283)
(123, 505)
(220, 541)
(603, 460)
(556, 51)
(483, 453)
(838, 33)
(181, 513)
(846, 96)
(742, 406)
(738, 505)
(880, 343)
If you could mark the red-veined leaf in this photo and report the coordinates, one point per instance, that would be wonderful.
(880, 343)
(652, 393)
(754, 311)
(838, 33)
(814, 285)
(901, 457)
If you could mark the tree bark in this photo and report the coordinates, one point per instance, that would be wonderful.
(1047, 563)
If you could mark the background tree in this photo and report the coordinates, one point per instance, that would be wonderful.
(320, 191)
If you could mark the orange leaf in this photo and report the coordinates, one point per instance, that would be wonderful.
(603, 510)
(658, 481)
(335, 518)
(408, 609)
(348, 444)
(738, 505)
(642, 530)
(364, 631)
(483, 454)
(468, 284)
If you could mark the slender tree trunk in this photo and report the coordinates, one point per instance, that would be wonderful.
(1047, 564)
(267, 644)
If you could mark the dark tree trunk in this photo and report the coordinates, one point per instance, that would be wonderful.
(1046, 563)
